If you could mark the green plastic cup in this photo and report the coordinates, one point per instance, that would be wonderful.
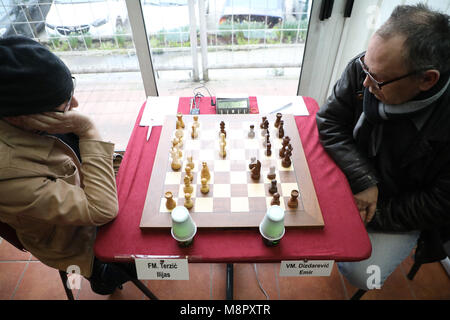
(183, 227)
(272, 226)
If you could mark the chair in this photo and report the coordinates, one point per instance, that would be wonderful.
(425, 253)
(9, 234)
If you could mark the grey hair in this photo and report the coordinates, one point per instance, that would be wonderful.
(427, 33)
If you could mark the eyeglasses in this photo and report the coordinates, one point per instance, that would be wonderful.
(67, 107)
(381, 84)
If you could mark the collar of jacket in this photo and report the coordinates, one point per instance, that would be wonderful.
(37, 146)
(436, 130)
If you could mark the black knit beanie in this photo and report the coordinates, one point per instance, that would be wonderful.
(32, 79)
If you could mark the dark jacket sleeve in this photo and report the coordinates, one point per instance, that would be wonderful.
(425, 208)
(336, 120)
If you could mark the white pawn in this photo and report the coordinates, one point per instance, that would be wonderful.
(190, 163)
(222, 152)
(251, 133)
(194, 133)
(179, 133)
(176, 162)
(196, 124)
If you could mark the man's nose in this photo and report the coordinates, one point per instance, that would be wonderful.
(367, 82)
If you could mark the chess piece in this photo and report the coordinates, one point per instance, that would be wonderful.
(284, 149)
(222, 128)
(271, 175)
(286, 162)
(293, 201)
(170, 203)
(179, 133)
(222, 151)
(261, 126)
(176, 146)
(205, 188)
(196, 123)
(281, 130)
(276, 199)
(222, 138)
(190, 163)
(189, 173)
(175, 143)
(252, 161)
(277, 121)
(179, 142)
(273, 187)
(188, 203)
(194, 133)
(187, 185)
(251, 133)
(264, 132)
(256, 170)
(266, 139)
(176, 162)
(180, 119)
(205, 171)
(281, 153)
(269, 149)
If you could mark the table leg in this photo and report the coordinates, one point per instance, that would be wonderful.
(229, 281)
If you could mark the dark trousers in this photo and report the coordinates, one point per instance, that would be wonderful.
(106, 277)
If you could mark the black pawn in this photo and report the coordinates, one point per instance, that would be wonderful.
(269, 149)
(277, 121)
(286, 162)
(273, 187)
(276, 199)
(261, 126)
(281, 130)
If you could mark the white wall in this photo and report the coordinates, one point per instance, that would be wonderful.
(332, 43)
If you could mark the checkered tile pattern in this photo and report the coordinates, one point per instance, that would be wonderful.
(231, 188)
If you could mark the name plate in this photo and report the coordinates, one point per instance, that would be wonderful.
(162, 269)
(306, 268)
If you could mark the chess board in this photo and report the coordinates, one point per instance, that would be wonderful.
(234, 200)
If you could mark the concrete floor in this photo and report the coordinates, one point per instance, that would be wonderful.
(113, 100)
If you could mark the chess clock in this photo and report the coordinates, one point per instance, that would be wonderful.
(232, 105)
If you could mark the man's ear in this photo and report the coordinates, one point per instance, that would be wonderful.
(429, 79)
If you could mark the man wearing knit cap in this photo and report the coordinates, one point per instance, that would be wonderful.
(387, 126)
(56, 175)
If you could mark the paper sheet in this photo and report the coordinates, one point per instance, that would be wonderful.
(158, 107)
(288, 105)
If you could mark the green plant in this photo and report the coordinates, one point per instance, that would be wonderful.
(56, 42)
(73, 41)
(88, 40)
(120, 38)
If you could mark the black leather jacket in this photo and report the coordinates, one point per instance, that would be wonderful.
(419, 196)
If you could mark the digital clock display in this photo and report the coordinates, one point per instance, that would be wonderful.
(232, 105)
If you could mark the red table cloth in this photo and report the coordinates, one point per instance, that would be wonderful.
(343, 237)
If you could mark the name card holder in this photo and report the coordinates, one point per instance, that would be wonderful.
(306, 268)
(162, 268)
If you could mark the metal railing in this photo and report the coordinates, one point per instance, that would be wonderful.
(231, 38)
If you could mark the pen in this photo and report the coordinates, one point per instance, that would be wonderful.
(149, 131)
(283, 107)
